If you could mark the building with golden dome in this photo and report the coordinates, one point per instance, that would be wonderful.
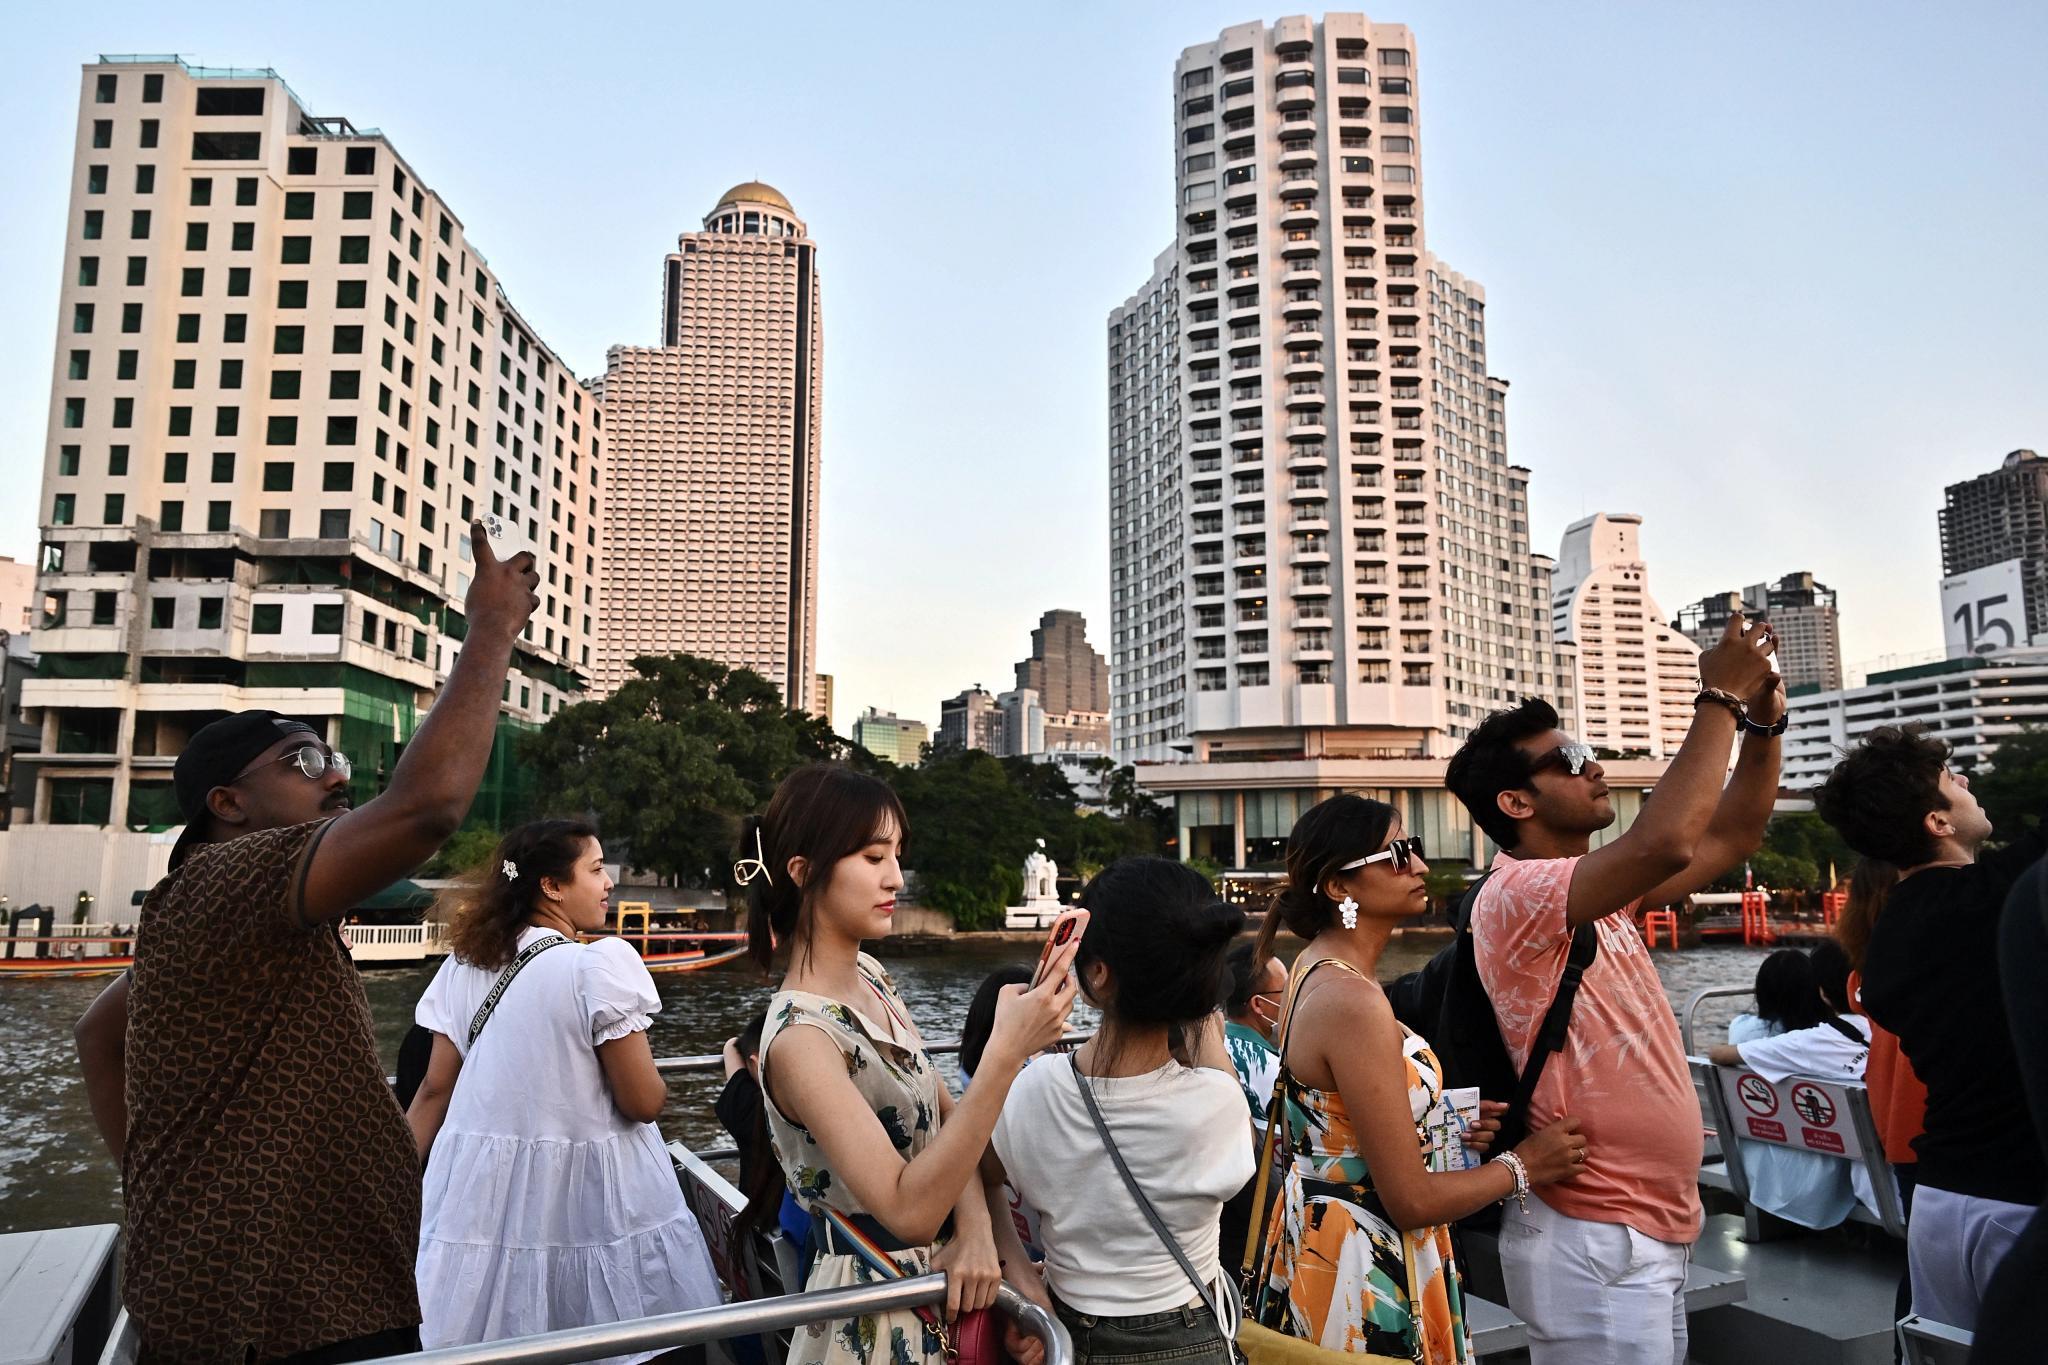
(712, 520)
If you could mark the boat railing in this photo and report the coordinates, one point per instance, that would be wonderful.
(715, 1061)
(1842, 1109)
(750, 1318)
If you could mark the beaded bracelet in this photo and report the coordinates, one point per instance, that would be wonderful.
(1520, 1193)
(1720, 697)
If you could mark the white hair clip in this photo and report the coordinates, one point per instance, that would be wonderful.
(510, 869)
(746, 869)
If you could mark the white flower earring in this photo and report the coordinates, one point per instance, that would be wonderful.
(1347, 912)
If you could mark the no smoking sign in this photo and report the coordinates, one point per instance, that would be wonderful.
(1757, 1096)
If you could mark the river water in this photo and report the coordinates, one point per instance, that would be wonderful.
(55, 1173)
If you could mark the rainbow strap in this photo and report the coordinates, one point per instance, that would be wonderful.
(868, 1249)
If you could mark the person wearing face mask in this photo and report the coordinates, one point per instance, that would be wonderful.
(1357, 1254)
(1931, 976)
(1597, 1267)
(550, 1201)
(878, 1153)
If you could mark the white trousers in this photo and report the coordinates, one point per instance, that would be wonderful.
(1593, 1293)
(1953, 1244)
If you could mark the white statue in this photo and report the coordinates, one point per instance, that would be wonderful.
(1041, 875)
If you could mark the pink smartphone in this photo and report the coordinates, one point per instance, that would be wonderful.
(1065, 929)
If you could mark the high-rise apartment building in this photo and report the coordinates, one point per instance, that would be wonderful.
(971, 720)
(887, 735)
(1148, 550)
(2000, 516)
(1064, 669)
(1061, 701)
(1801, 610)
(17, 596)
(712, 516)
(1330, 520)
(1636, 677)
(285, 382)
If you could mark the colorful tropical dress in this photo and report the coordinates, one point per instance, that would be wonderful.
(886, 1061)
(1340, 1274)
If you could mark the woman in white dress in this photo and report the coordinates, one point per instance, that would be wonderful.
(550, 1201)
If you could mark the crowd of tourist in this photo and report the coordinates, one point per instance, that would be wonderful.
(1246, 1158)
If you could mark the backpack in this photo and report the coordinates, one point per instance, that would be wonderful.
(1446, 1003)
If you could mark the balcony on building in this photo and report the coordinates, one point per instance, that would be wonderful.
(1299, 186)
(1307, 455)
(1305, 394)
(1300, 94)
(1302, 303)
(1300, 157)
(1298, 212)
(1303, 332)
(1300, 242)
(1303, 364)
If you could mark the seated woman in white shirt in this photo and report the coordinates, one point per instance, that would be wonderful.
(1152, 960)
(549, 1200)
(1802, 1027)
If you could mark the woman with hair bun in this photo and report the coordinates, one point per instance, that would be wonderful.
(1158, 1074)
(550, 1201)
(876, 1150)
(1357, 1254)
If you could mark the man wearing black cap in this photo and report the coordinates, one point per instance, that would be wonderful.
(272, 1186)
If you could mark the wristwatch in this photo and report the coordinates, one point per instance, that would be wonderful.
(1759, 728)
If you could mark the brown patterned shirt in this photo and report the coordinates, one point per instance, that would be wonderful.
(272, 1185)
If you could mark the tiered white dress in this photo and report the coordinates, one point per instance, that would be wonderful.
(544, 1207)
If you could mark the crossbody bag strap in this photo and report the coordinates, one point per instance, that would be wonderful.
(483, 1013)
(1159, 1229)
(866, 1249)
(1557, 1020)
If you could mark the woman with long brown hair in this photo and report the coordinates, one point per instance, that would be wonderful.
(550, 1201)
(877, 1151)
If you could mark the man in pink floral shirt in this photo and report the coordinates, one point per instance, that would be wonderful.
(1596, 1265)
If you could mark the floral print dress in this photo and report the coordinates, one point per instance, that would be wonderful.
(886, 1061)
(1339, 1273)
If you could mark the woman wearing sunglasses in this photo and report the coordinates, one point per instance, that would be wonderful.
(1357, 1253)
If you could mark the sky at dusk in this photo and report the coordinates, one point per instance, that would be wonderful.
(1769, 275)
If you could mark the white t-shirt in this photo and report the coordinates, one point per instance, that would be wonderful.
(1184, 1136)
(1822, 1051)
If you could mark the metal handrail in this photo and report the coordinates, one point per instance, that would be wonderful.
(716, 1060)
(1692, 1005)
(749, 1318)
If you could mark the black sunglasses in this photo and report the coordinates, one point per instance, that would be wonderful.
(1573, 758)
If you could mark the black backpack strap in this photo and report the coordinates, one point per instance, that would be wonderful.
(1557, 1022)
(1846, 1029)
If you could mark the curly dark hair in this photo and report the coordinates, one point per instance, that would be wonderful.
(1878, 797)
(485, 910)
(1490, 762)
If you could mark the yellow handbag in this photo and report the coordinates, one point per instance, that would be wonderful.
(1258, 1344)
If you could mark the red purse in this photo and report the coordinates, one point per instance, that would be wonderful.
(975, 1338)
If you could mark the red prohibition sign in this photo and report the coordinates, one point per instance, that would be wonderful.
(1757, 1096)
(1811, 1103)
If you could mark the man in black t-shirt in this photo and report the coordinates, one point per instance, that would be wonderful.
(1931, 976)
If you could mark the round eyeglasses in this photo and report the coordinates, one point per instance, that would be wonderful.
(312, 760)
